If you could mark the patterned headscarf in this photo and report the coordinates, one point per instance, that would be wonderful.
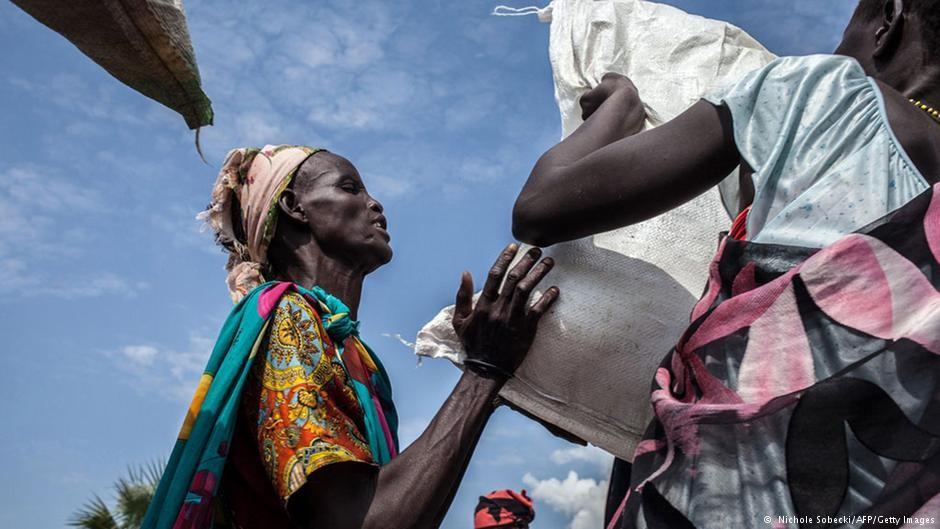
(256, 178)
(504, 508)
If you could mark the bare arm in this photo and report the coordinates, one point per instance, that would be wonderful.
(425, 478)
(606, 176)
(416, 488)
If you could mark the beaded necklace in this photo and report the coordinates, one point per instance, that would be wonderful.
(932, 112)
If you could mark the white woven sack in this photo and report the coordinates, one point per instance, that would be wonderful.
(625, 295)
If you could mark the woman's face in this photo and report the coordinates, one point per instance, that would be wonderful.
(345, 220)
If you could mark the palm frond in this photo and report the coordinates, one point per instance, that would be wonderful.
(132, 502)
(133, 495)
(94, 515)
(135, 492)
(152, 472)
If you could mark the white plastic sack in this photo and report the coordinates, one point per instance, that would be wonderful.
(625, 295)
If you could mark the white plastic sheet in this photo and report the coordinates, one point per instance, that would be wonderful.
(626, 294)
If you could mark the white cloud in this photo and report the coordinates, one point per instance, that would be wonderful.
(28, 185)
(257, 124)
(385, 187)
(181, 228)
(96, 105)
(398, 338)
(589, 454)
(167, 372)
(103, 284)
(372, 68)
(140, 354)
(582, 500)
(38, 209)
(468, 110)
(377, 99)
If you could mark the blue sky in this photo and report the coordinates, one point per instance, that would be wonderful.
(111, 296)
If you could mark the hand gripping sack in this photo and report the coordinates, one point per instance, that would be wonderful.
(626, 294)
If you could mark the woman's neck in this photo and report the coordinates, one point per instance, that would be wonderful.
(308, 266)
(912, 71)
(925, 86)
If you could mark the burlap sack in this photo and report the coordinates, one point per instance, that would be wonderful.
(143, 43)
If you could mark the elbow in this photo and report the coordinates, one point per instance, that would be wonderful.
(529, 224)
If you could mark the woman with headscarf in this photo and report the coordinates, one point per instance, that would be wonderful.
(293, 423)
(805, 391)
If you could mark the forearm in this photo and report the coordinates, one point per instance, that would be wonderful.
(616, 118)
(574, 193)
(416, 488)
(538, 199)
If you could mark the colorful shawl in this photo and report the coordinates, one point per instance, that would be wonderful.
(806, 390)
(184, 498)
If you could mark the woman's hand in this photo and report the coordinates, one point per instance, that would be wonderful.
(616, 87)
(498, 331)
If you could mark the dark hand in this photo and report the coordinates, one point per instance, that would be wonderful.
(499, 330)
(616, 86)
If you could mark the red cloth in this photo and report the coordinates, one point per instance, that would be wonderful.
(739, 226)
(504, 508)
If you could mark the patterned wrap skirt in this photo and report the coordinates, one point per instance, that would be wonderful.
(804, 392)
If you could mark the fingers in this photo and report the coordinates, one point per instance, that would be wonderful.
(614, 77)
(587, 111)
(495, 277)
(542, 305)
(610, 84)
(520, 296)
(589, 103)
(464, 305)
(520, 270)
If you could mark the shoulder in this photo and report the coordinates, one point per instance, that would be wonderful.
(284, 298)
(802, 65)
(295, 335)
(792, 95)
(292, 300)
(296, 316)
(800, 70)
(785, 80)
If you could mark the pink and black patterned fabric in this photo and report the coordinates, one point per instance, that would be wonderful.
(504, 509)
(806, 390)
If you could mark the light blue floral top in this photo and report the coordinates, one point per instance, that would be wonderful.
(826, 161)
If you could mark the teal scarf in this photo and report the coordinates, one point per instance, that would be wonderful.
(184, 497)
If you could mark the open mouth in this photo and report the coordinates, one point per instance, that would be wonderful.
(382, 226)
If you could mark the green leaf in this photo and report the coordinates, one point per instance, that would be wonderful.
(133, 495)
(94, 515)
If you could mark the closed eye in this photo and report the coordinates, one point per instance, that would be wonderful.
(351, 187)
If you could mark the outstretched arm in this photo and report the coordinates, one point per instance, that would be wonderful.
(416, 488)
(606, 175)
